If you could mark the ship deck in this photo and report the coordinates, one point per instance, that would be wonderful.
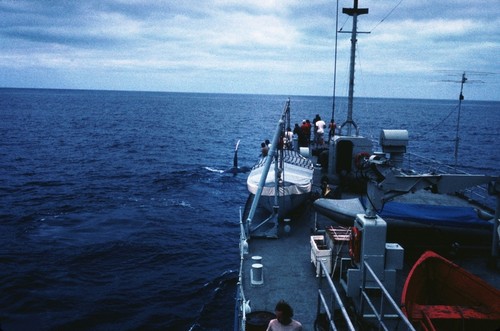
(289, 274)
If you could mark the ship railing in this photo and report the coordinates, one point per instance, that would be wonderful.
(241, 300)
(336, 302)
(423, 164)
(242, 303)
(385, 300)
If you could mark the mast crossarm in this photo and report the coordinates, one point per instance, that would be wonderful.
(355, 11)
(358, 32)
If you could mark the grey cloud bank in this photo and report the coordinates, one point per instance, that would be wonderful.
(271, 47)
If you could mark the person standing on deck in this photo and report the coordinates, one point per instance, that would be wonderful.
(264, 149)
(300, 135)
(320, 131)
(315, 127)
(316, 118)
(283, 320)
(306, 128)
(332, 126)
(288, 138)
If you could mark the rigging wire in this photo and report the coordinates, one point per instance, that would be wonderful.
(388, 14)
(343, 24)
(463, 80)
(432, 130)
(334, 69)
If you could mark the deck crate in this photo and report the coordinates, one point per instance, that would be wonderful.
(320, 251)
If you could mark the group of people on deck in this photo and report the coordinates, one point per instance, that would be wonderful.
(318, 127)
(264, 148)
(303, 133)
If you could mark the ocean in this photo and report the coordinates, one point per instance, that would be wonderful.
(115, 212)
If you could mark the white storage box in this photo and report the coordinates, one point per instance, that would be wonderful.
(320, 251)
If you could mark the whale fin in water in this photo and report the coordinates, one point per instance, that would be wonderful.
(235, 169)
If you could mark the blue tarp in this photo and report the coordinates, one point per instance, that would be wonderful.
(434, 215)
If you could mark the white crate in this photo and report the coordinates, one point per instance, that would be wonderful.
(319, 251)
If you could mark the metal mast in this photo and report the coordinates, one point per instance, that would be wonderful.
(460, 98)
(354, 12)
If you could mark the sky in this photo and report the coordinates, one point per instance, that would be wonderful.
(415, 48)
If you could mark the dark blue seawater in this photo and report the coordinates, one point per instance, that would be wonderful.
(115, 213)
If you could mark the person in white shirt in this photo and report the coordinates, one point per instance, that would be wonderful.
(320, 131)
(288, 138)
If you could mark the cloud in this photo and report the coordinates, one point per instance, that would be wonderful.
(263, 46)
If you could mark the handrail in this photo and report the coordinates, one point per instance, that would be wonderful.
(267, 165)
(385, 294)
(241, 295)
(337, 301)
